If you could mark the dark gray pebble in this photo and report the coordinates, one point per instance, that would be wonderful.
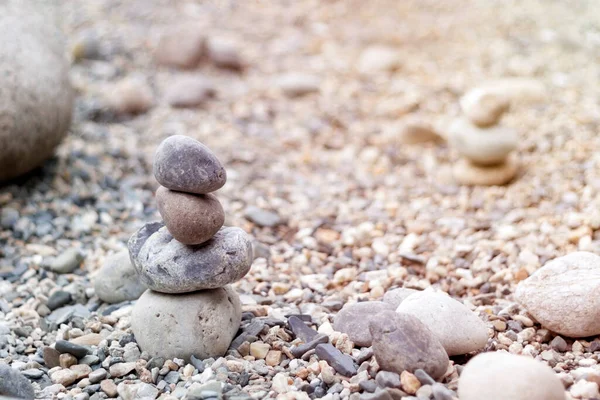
(58, 299)
(67, 347)
(341, 362)
(14, 384)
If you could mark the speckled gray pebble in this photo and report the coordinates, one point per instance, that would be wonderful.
(167, 266)
(184, 164)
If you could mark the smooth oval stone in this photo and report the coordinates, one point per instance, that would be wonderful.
(190, 218)
(181, 47)
(189, 91)
(501, 376)
(354, 320)
(484, 107)
(166, 265)
(201, 323)
(396, 296)
(467, 173)
(564, 295)
(117, 280)
(186, 165)
(457, 328)
(295, 84)
(403, 343)
(482, 146)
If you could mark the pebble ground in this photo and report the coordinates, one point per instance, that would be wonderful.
(361, 212)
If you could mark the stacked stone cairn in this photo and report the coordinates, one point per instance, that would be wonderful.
(188, 261)
(485, 146)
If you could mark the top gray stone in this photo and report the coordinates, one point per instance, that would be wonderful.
(168, 266)
(186, 165)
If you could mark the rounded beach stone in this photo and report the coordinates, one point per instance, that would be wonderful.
(403, 343)
(189, 91)
(482, 146)
(564, 295)
(378, 58)
(201, 323)
(168, 266)
(484, 107)
(457, 328)
(117, 280)
(354, 320)
(181, 47)
(396, 296)
(186, 165)
(500, 376)
(298, 84)
(190, 218)
(36, 98)
(467, 173)
(131, 95)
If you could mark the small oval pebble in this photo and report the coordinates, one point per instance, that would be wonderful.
(131, 96)
(467, 173)
(186, 165)
(502, 376)
(482, 146)
(189, 91)
(484, 107)
(201, 323)
(168, 266)
(354, 320)
(190, 218)
(564, 295)
(181, 47)
(402, 342)
(298, 84)
(457, 328)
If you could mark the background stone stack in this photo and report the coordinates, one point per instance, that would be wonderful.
(484, 145)
(188, 261)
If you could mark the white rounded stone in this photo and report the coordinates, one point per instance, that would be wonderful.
(502, 376)
(457, 328)
(564, 295)
(482, 146)
(484, 107)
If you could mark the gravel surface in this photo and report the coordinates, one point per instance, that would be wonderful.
(339, 208)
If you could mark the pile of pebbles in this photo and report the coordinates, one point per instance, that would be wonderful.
(486, 147)
(188, 261)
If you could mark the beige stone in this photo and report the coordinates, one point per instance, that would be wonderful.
(564, 295)
(466, 173)
(484, 107)
(501, 376)
(457, 328)
(482, 146)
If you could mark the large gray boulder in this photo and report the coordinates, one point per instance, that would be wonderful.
(36, 98)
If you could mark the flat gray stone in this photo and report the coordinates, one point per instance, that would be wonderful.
(354, 320)
(402, 342)
(168, 266)
(67, 261)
